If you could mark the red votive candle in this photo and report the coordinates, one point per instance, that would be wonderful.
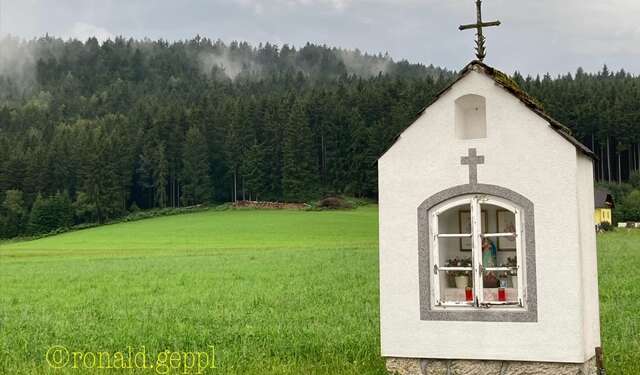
(502, 294)
(469, 294)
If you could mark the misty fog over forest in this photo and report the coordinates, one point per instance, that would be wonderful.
(97, 130)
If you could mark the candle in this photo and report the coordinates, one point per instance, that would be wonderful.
(502, 295)
(469, 294)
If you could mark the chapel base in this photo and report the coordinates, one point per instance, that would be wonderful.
(413, 366)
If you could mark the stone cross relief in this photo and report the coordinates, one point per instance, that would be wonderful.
(473, 160)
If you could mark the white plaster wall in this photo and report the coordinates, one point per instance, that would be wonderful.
(523, 154)
(589, 255)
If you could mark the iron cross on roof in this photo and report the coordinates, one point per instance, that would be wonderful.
(473, 160)
(480, 49)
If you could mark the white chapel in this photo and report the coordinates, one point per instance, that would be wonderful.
(487, 243)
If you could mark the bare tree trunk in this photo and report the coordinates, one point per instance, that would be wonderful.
(630, 162)
(172, 191)
(633, 153)
(632, 158)
(235, 185)
(619, 167)
(601, 149)
(608, 160)
(595, 165)
(323, 156)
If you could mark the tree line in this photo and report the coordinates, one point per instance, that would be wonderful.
(93, 131)
(602, 110)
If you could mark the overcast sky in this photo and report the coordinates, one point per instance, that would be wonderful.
(536, 36)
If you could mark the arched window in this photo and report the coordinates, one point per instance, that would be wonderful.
(477, 252)
(471, 117)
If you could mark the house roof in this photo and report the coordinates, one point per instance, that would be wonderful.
(603, 199)
(503, 80)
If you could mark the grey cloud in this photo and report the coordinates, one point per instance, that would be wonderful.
(536, 36)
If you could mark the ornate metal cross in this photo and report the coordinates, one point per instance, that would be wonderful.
(481, 52)
(473, 160)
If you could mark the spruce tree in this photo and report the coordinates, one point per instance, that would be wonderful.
(13, 214)
(254, 169)
(160, 175)
(196, 183)
(299, 165)
(50, 214)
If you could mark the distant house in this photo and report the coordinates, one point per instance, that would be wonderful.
(603, 204)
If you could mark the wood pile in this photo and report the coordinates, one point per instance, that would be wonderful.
(270, 205)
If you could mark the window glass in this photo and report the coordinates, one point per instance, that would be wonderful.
(455, 255)
(492, 254)
(455, 220)
(497, 245)
(457, 288)
(455, 272)
(500, 286)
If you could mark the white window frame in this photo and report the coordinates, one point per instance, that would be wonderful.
(474, 202)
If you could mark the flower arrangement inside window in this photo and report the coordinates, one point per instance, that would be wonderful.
(486, 278)
(503, 277)
(512, 264)
(459, 278)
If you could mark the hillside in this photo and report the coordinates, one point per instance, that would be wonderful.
(92, 131)
(245, 229)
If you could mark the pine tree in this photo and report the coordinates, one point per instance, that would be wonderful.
(254, 170)
(196, 182)
(50, 214)
(233, 148)
(99, 170)
(300, 172)
(144, 173)
(160, 175)
(13, 214)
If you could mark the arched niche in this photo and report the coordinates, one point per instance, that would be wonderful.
(471, 117)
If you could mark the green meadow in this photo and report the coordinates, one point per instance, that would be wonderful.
(274, 292)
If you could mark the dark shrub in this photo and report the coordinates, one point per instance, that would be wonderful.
(606, 226)
(334, 203)
(13, 214)
(50, 214)
(630, 206)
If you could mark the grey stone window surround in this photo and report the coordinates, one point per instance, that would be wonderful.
(425, 268)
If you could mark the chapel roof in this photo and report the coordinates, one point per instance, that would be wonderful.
(603, 199)
(503, 80)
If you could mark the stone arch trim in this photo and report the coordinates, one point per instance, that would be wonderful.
(425, 266)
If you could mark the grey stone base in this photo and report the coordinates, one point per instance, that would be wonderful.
(412, 366)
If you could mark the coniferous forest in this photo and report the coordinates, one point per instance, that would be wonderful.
(92, 131)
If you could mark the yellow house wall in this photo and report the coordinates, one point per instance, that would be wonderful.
(602, 215)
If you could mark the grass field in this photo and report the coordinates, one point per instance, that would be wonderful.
(276, 292)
